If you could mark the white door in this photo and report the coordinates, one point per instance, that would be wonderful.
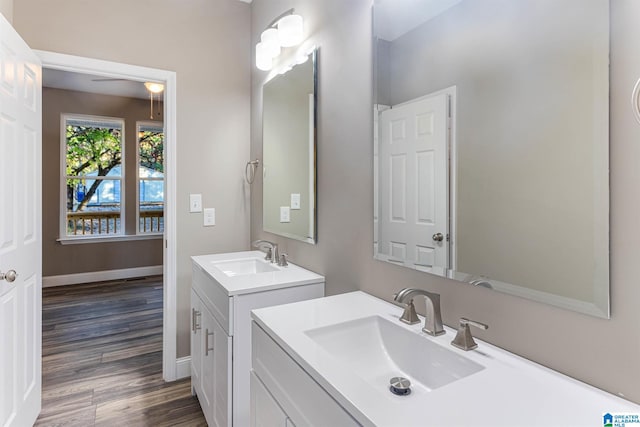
(413, 183)
(20, 225)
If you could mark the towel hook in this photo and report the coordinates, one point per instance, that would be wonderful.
(250, 170)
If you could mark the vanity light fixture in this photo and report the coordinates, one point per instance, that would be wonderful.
(300, 57)
(287, 30)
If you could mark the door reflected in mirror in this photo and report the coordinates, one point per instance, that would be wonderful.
(491, 144)
(289, 152)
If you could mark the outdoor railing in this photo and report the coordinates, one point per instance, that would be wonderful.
(83, 223)
(154, 219)
(97, 222)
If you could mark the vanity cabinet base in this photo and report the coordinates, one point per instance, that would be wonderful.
(301, 400)
(221, 342)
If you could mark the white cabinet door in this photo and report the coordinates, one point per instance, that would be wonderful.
(216, 372)
(223, 376)
(196, 343)
(265, 411)
(207, 373)
(20, 225)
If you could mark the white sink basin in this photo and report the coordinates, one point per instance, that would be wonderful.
(352, 344)
(377, 350)
(239, 267)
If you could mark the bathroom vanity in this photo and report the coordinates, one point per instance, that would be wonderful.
(225, 288)
(333, 366)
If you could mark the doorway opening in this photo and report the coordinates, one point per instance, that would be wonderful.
(106, 73)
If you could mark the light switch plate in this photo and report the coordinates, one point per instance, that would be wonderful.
(195, 202)
(285, 214)
(295, 200)
(209, 217)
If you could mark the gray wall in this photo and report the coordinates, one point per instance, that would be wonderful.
(6, 9)
(207, 44)
(600, 352)
(69, 259)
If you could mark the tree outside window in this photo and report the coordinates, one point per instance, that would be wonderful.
(93, 175)
(150, 177)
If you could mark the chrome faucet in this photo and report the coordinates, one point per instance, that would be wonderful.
(433, 318)
(464, 340)
(272, 249)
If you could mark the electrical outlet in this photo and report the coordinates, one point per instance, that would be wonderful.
(209, 217)
(295, 200)
(195, 202)
(285, 214)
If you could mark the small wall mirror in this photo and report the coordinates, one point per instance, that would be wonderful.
(491, 144)
(289, 152)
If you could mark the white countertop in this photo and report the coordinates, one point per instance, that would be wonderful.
(283, 277)
(510, 391)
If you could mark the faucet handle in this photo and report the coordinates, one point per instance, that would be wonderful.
(464, 340)
(282, 262)
(268, 256)
(409, 314)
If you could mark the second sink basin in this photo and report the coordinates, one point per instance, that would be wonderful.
(239, 267)
(377, 350)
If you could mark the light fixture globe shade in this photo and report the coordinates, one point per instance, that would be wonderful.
(154, 87)
(270, 41)
(263, 59)
(290, 30)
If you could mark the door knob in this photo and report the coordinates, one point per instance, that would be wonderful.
(438, 237)
(10, 276)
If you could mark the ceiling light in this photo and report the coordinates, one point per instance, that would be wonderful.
(154, 87)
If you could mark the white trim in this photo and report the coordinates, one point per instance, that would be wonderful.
(100, 276)
(81, 240)
(183, 367)
(79, 64)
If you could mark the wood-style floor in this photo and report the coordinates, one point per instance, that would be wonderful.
(102, 358)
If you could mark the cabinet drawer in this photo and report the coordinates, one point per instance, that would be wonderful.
(303, 400)
(214, 297)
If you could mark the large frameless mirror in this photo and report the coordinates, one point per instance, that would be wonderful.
(289, 152)
(491, 144)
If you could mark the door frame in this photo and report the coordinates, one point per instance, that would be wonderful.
(78, 64)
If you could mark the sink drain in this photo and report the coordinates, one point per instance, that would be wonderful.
(400, 386)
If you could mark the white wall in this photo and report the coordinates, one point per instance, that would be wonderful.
(601, 352)
(207, 44)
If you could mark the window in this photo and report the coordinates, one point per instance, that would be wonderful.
(150, 177)
(93, 176)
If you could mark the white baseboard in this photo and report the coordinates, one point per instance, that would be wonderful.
(100, 276)
(183, 367)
